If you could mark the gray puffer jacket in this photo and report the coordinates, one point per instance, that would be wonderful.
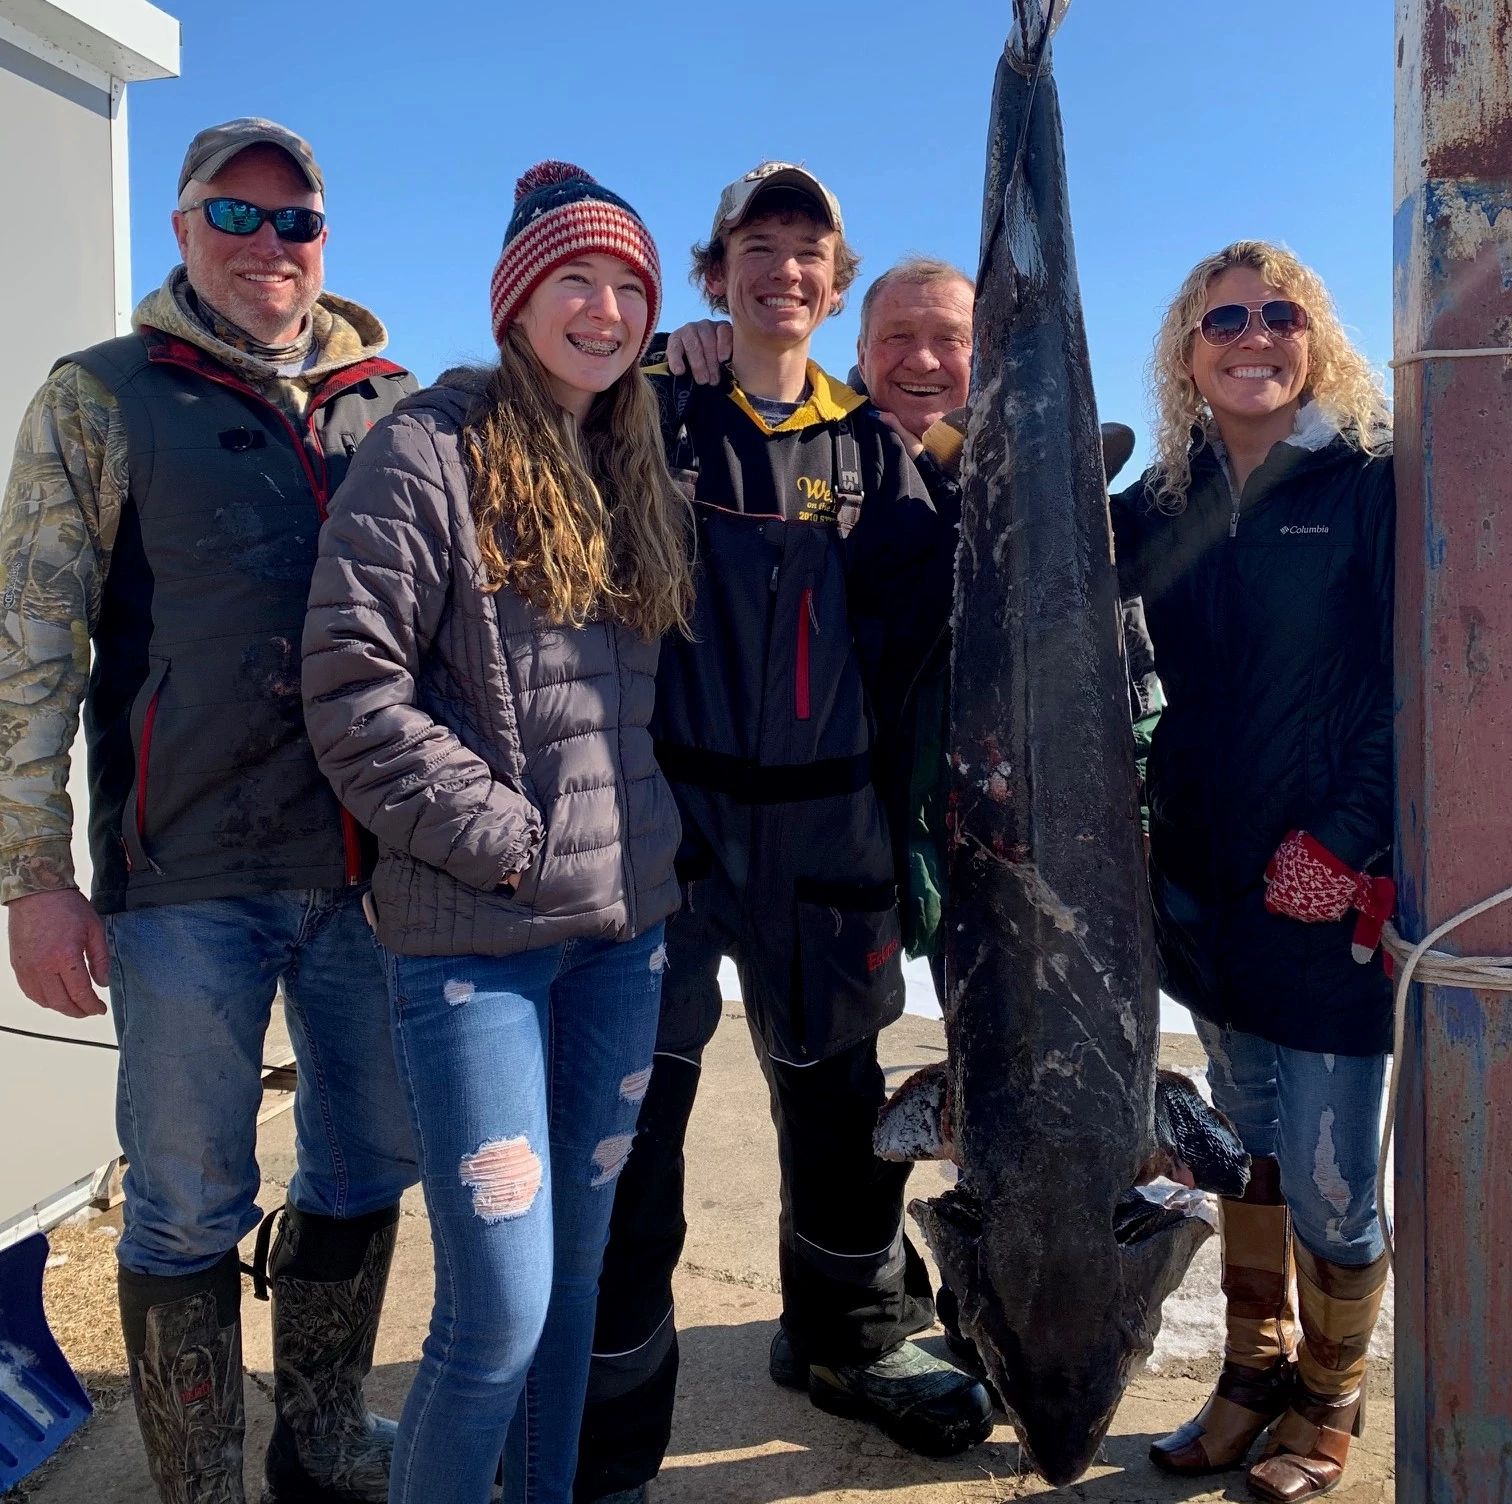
(470, 734)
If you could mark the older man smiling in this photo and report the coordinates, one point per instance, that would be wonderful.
(914, 349)
(162, 513)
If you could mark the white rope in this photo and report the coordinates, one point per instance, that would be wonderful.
(1433, 968)
(1489, 352)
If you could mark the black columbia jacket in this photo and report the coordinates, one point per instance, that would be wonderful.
(1271, 616)
(824, 575)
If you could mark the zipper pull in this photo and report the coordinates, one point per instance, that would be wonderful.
(813, 611)
(1234, 523)
(772, 583)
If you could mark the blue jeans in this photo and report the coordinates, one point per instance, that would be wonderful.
(525, 1075)
(1320, 1117)
(192, 988)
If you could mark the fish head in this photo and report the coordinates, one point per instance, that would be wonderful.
(1061, 1355)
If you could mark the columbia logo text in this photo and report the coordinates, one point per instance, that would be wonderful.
(1292, 530)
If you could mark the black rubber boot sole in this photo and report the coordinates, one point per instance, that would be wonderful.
(926, 1437)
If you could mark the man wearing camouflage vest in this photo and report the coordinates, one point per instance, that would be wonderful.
(163, 510)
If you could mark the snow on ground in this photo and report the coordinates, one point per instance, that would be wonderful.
(1174, 1019)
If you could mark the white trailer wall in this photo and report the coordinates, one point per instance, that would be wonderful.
(64, 284)
(59, 251)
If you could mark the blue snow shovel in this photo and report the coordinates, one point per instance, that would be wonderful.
(42, 1402)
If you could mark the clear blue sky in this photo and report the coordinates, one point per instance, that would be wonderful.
(1188, 124)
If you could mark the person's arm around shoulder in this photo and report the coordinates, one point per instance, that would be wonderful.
(376, 600)
(57, 527)
(700, 349)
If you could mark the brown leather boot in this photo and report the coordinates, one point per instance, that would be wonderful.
(1310, 1444)
(1256, 1383)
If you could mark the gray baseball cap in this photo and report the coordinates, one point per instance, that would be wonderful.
(736, 202)
(216, 145)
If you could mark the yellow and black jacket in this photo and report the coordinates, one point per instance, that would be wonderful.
(824, 576)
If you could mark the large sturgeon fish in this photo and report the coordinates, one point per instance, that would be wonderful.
(1058, 1250)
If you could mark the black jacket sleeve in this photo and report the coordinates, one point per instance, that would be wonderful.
(901, 564)
(901, 574)
(1124, 509)
(1357, 823)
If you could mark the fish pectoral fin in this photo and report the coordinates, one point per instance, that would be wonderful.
(1195, 1144)
(1158, 1232)
(952, 1226)
(915, 1122)
(1146, 1209)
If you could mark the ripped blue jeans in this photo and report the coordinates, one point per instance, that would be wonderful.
(524, 1076)
(1320, 1117)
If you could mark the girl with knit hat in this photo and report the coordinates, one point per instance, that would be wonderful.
(480, 656)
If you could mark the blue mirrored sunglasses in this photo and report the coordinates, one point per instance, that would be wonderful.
(235, 216)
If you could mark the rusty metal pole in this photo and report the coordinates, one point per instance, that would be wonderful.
(1454, 742)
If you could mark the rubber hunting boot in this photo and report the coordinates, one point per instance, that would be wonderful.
(183, 1355)
(327, 1276)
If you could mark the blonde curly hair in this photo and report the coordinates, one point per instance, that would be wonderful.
(1339, 379)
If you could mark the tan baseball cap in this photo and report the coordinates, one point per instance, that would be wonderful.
(736, 202)
(216, 145)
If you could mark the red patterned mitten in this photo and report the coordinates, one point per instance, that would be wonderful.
(1306, 881)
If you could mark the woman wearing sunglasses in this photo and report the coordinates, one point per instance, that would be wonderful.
(1261, 542)
(479, 663)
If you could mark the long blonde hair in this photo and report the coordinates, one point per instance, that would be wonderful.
(1339, 379)
(581, 522)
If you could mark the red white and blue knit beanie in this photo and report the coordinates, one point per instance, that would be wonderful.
(562, 213)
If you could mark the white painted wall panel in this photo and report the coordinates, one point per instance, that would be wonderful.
(57, 293)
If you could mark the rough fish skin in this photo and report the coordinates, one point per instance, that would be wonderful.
(1052, 1017)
